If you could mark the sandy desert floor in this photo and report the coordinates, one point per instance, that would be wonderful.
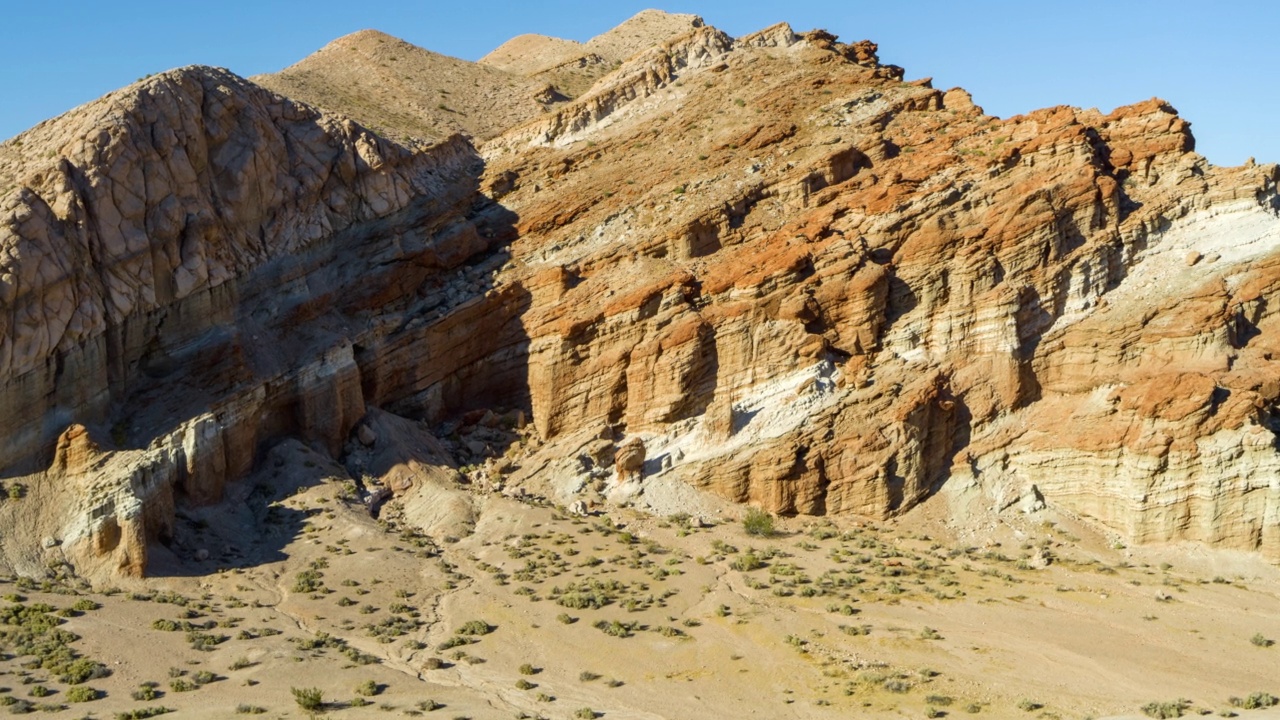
(537, 613)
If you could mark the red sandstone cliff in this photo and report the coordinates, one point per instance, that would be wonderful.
(766, 267)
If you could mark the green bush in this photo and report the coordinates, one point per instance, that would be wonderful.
(368, 688)
(143, 713)
(758, 522)
(308, 581)
(1255, 701)
(475, 627)
(1164, 710)
(309, 699)
(616, 628)
(82, 693)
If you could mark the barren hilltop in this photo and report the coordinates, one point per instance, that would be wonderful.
(668, 374)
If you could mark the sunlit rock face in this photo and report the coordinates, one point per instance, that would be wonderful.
(768, 268)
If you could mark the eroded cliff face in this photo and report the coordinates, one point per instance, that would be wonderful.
(189, 268)
(768, 267)
(807, 284)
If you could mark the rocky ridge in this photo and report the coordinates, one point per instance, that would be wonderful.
(769, 268)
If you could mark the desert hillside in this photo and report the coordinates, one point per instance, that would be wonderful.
(403, 91)
(667, 374)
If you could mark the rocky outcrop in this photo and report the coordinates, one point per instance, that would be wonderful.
(635, 80)
(140, 219)
(186, 264)
(848, 290)
(767, 268)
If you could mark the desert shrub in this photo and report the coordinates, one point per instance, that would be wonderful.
(1256, 701)
(746, 562)
(143, 713)
(308, 581)
(895, 685)
(1029, 705)
(758, 522)
(475, 627)
(309, 699)
(523, 684)
(247, 709)
(205, 642)
(588, 594)
(1174, 709)
(368, 688)
(1261, 640)
(616, 628)
(82, 693)
(452, 642)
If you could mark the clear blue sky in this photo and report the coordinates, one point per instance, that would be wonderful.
(1216, 62)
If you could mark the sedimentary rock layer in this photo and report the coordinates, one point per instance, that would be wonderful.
(770, 268)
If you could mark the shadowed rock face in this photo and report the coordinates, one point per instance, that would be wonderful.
(766, 267)
(192, 274)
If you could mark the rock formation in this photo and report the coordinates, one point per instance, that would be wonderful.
(768, 267)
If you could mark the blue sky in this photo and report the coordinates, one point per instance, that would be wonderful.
(1217, 66)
